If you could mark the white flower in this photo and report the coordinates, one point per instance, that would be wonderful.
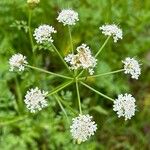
(125, 106)
(83, 59)
(17, 61)
(112, 30)
(35, 100)
(68, 17)
(131, 66)
(44, 33)
(82, 128)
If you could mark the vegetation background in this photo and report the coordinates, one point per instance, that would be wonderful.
(48, 129)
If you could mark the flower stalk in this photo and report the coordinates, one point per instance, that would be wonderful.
(48, 72)
(78, 96)
(70, 37)
(55, 49)
(101, 94)
(103, 74)
(59, 88)
(102, 46)
(61, 106)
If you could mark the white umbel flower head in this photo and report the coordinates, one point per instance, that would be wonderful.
(82, 128)
(68, 17)
(44, 33)
(131, 66)
(112, 30)
(17, 62)
(125, 106)
(35, 100)
(83, 59)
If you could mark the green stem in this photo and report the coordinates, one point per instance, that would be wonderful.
(89, 87)
(55, 49)
(57, 89)
(103, 74)
(61, 106)
(78, 95)
(102, 46)
(30, 33)
(70, 36)
(51, 73)
(80, 74)
(13, 120)
(19, 96)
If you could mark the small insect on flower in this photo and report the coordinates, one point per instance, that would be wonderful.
(83, 59)
(125, 106)
(112, 30)
(35, 100)
(68, 17)
(131, 66)
(44, 33)
(17, 62)
(82, 128)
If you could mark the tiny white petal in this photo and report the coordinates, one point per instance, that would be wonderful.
(68, 17)
(17, 62)
(83, 128)
(44, 33)
(112, 30)
(131, 66)
(125, 106)
(35, 100)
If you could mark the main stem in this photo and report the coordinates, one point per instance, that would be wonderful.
(19, 96)
(102, 46)
(48, 72)
(30, 34)
(55, 49)
(70, 36)
(78, 95)
(89, 87)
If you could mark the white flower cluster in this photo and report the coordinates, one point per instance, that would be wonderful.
(35, 99)
(82, 128)
(125, 106)
(17, 62)
(44, 33)
(83, 59)
(68, 17)
(112, 30)
(131, 66)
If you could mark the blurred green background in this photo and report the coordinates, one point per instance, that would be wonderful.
(48, 129)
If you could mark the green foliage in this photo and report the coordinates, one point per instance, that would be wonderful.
(48, 129)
